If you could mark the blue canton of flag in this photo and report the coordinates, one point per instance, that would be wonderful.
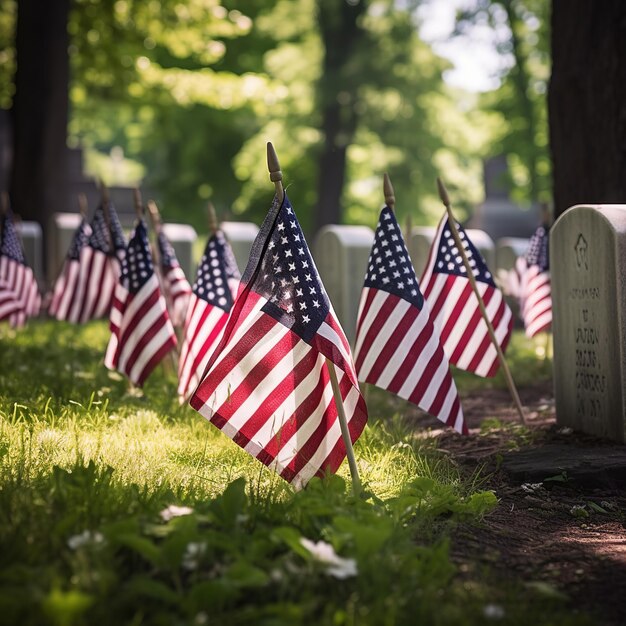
(11, 247)
(289, 280)
(212, 278)
(390, 267)
(538, 249)
(454, 306)
(449, 260)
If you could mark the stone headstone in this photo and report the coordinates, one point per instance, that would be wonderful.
(341, 254)
(588, 267)
(31, 236)
(64, 226)
(421, 239)
(241, 236)
(508, 250)
(182, 237)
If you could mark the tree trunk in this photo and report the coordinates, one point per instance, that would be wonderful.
(40, 110)
(341, 35)
(586, 102)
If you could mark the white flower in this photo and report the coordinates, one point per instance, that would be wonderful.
(87, 537)
(579, 510)
(566, 430)
(493, 611)
(324, 553)
(193, 552)
(173, 511)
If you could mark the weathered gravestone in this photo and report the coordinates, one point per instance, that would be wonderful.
(508, 250)
(60, 236)
(421, 238)
(182, 237)
(241, 236)
(588, 266)
(32, 242)
(341, 254)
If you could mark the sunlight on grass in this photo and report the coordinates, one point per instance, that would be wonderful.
(118, 507)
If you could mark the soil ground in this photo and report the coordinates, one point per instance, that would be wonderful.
(564, 531)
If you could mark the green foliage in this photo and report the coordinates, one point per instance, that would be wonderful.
(117, 509)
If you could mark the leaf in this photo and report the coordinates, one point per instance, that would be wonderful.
(291, 537)
(148, 588)
(64, 607)
(232, 502)
(245, 575)
(141, 546)
(596, 507)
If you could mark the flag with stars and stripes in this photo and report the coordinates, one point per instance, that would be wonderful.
(535, 292)
(267, 384)
(176, 287)
(397, 347)
(100, 266)
(67, 285)
(214, 291)
(454, 307)
(142, 333)
(19, 293)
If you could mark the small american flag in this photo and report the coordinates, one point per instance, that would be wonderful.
(215, 288)
(535, 293)
(99, 268)
(142, 333)
(68, 283)
(267, 385)
(454, 306)
(19, 293)
(176, 287)
(397, 347)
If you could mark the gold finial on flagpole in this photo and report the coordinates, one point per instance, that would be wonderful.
(155, 216)
(390, 197)
(82, 205)
(443, 194)
(213, 223)
(276, 176)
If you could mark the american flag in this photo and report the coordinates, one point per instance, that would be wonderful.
(213, 294)
(454, 306)
(267, 385)
(99, 268)
(19, 293)
(176, 287)
(535, 293)
(142, 333)
(68, 282)
(397, 347)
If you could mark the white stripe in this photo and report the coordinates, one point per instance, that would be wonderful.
(491, 355)
(381, 339)
(165, 334)
(274, 378)
(364, 325)
(418, 369)
(402, 352)
(231, 382)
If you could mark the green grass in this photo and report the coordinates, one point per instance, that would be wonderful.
(86, 468)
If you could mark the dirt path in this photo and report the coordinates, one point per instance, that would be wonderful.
(564, 530)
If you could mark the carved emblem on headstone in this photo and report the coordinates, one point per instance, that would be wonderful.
(581, 252)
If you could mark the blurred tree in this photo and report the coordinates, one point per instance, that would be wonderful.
(521, 35)
(39, 110)
(586, 102)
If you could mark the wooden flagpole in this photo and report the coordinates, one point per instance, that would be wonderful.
(157, 225)
(443, 194)
(276, 176)
(213, 223)
(82, 205)
(104, 191)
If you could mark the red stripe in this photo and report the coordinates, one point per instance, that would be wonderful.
(214, 334)
(128, 325)
(156, 358)
(393, 341)
(386, 309)
(288, 386)
(260, 328)
(369, 298)
(452, 317)
(474, 323)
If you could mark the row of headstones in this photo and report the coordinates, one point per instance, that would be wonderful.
(588, 268)
(341, 253)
